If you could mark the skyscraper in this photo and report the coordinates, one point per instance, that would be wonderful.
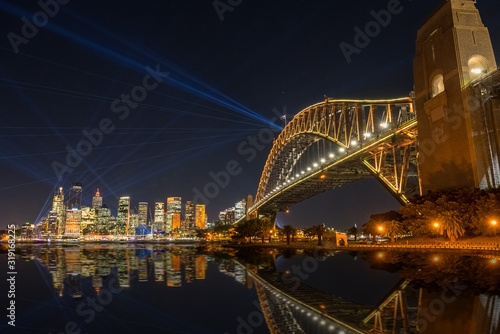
(176, 221)
(189, 216)
(73, 221)
(133, 223)
(75, 197)
(200, 216)
(143, 213)
(159, 219)
(174, 204)
(89, 221)
(73, 211)
(97, 200)
(52, 225)
(122, 219)
(58, 208)
(103, 219)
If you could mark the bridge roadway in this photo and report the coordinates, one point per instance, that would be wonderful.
(325, 309)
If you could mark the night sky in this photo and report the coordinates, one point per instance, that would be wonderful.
(224, 79)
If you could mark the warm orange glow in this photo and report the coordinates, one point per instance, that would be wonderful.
(436, 258)
(493, 222)
(322, 306)
(493, 261)
(436, 225)
(323, 176)
(380, 228)
(287, 211)
(380, 255)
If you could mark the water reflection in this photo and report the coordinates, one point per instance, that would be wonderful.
(435, 292)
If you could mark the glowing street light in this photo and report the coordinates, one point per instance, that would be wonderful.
(332, 155)
(323, 161)
(342, 149)
(436, 225)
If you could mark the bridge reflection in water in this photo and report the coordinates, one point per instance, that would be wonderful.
(438, 292)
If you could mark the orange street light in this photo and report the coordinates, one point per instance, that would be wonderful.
(436, 225)
(380, 228)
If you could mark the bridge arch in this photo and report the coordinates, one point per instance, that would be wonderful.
(367, 127)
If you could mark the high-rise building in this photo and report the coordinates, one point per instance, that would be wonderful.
(58, 208)
(52, 225)
(239, 209)
(122, 219)
(174, 204)
(200, 216)
(222, 217)
(73, 221)
(97, 200)
(176, 221)
(133, 223)
(75, 197)
(189, 215)
(89, 221)
(159, 219)
(103, 217)
(143, 213)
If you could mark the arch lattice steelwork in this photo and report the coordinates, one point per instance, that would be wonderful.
(370, 138)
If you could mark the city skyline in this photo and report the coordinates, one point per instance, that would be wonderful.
(192, 124)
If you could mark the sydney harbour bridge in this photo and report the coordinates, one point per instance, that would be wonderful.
(446, 133)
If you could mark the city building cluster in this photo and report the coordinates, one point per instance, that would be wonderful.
(70, 219)
(233, 214)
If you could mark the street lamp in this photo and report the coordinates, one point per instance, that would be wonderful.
(494, 223)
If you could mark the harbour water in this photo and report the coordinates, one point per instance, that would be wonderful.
(128, 288)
